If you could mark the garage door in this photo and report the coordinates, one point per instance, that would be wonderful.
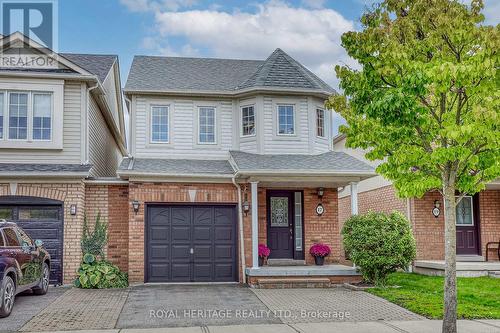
(41, 219)
(195, 243)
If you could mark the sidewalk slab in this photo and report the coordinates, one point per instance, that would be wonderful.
(271, 328)
(491, 322)
(195, 329)
(346, 327)
(464, 326)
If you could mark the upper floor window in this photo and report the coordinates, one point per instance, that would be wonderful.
(206, 125)
(247, 121)
(18, 116)
(16, 110)
(320, 123)
(42, 110)
(1, 115)
(286, 120)
(159, 124)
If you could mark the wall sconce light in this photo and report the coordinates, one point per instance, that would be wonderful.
(436, 211)
(135, 205)
(321, 192)
(245, 204)
(72, 209)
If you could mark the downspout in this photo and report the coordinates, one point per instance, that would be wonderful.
(240, 226)
(87, 146)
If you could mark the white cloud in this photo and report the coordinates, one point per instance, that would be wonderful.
(312, 36)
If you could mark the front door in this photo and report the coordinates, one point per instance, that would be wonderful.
(468, 226)
(280, 222)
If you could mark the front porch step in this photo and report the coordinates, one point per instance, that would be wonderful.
(285, 262)
(494, 274)
(281, 283)
(469, 258)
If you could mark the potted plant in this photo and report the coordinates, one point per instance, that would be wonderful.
(319, 251)
(264, 252)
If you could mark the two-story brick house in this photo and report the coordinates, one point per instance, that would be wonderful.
(228, 154)
(62, 137)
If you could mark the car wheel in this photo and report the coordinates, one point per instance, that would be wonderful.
(42, 288)
(7, 297)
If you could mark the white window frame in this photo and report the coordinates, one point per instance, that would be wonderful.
(254, 121)
(214, 143)
(3, 132)
(43, 86)
(324, 123)
(278, 120)
(471, 212)
(30, 113)
(151, 141)
(32, 116)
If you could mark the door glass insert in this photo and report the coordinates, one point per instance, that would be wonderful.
(279, 211)
(298, 221)
(464, 212)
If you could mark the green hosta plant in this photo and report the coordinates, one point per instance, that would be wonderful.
(379, 244)
(99, 274)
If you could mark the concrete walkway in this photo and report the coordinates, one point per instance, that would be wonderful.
(419, 326)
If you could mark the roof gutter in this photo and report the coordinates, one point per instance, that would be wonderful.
(128, 173)
(77, 77)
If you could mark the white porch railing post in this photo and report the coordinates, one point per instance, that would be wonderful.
(354, 198)
(255, 225)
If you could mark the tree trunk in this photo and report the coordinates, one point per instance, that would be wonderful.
(450, 280)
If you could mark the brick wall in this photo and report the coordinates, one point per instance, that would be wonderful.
(489, 207)
(167, 193)
(322, 229)
(69, 193)
(112, 202)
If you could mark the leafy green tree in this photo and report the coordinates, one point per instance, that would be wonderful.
(426, 103)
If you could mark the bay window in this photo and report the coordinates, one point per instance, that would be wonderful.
(286, 120)
(247, 121)
(320, 123)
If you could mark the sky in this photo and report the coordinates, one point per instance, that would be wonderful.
(308, 30)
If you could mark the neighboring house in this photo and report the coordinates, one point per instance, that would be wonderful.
(212, 136)
(478, 216)
(62, 137)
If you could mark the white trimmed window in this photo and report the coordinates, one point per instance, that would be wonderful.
(159, 124)
(26, 116)
(42, 119)
(206, 125)
(1, 114)
(320, 123)
(247, 121)
(18, 116)
(286, 120)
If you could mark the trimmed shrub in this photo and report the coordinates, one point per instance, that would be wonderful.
(94, 241)
(379, 244)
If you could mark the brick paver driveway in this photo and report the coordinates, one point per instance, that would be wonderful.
(152, 306)
(331, 304)
(80, 309)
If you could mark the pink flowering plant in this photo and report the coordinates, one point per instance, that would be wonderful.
(320, 250)
(264, 251)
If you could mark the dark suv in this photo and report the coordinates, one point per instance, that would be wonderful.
(24, 264)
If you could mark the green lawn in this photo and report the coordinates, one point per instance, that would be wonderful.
(477, 297)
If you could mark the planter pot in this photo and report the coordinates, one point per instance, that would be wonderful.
(319, 261)
(261, 261)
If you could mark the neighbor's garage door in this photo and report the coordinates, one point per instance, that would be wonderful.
(191, 243)
(43, 222)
